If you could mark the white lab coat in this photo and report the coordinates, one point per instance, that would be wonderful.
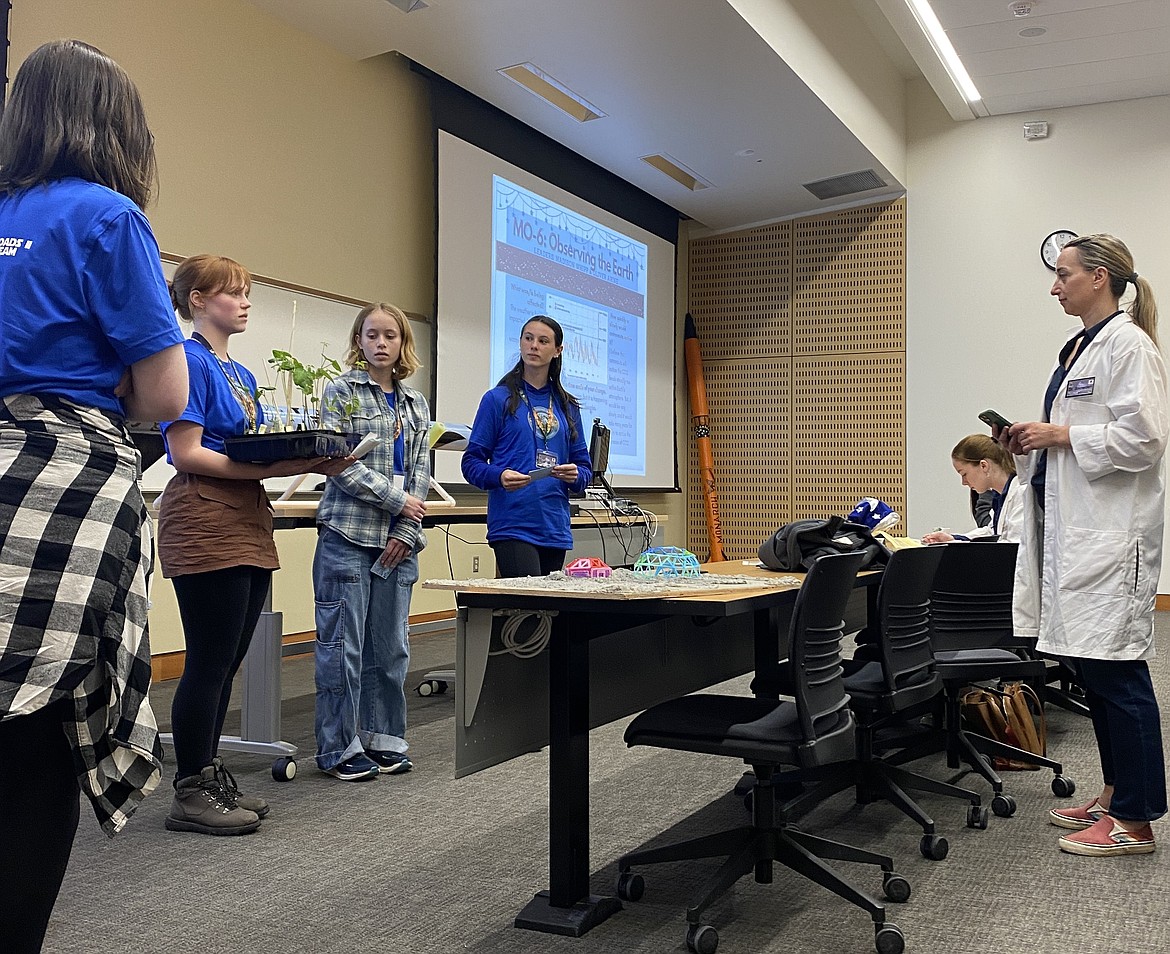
(1014, 526)
(1104, 502)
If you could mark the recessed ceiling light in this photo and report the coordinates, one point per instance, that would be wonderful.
(409, 6)
(677, 171)
(1033, 31)
(745, 153)
(537, 81)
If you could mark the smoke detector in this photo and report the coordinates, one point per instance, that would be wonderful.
(1020, 8)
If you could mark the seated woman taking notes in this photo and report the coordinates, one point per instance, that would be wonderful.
(983, 465)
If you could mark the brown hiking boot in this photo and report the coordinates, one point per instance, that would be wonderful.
(252, 803)
(202, 804)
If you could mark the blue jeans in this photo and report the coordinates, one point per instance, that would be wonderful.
(1128, 727)
(362, 650)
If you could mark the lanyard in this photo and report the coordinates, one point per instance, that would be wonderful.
(393, 406)
(541, 420)
(242, 395)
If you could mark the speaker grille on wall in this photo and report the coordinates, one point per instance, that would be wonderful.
(848, 184)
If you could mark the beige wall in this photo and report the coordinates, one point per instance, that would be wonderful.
(273, 148)
(304, 165)
(982, 329)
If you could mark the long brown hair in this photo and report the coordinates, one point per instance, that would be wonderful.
(979, 447)
(514, 379)
(73, 111)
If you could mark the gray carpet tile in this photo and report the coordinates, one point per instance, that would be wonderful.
(425, 862)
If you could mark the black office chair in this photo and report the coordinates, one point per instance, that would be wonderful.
(815, 729)
(974, 641)
(889, 694)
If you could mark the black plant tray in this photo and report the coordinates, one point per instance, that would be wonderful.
(265, 448)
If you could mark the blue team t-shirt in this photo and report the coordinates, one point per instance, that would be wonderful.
(82, 293)
(211, 402)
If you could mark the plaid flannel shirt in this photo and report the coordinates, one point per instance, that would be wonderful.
(73, 593)
(362, 503)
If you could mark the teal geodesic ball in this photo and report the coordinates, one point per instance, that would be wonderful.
(667, 561)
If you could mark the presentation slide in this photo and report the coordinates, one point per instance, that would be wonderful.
(547, 259)
(512, 246)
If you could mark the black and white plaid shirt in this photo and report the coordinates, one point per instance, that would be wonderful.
(76, 553)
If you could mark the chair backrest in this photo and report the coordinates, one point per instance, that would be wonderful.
(904, 609)
(971, 604)
(814, 651)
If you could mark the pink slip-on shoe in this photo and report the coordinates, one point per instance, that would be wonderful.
(1083, 816)
(1106, 837)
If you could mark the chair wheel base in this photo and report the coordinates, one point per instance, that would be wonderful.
(888, 939)
(934, 847)
(702, 939)
(1003, 805)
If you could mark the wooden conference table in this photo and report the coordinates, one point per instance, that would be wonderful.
(607, 657)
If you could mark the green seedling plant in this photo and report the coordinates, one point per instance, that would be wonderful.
(293, 374)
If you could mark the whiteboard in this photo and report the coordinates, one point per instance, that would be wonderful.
(321, 327)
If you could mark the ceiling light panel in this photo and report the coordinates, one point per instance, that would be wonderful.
(677, 171)
(557, 94)
(928, 21)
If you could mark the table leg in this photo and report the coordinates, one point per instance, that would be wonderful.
(567, 907)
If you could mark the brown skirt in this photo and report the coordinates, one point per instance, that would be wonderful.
(211, 523)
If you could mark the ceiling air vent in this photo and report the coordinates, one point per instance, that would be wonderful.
(847, 184)
(409, 6)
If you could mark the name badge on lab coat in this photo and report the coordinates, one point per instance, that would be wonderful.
(1080, 387)
(400, 482)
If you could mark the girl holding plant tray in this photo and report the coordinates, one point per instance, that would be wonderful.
(215, 540)
(369, 532)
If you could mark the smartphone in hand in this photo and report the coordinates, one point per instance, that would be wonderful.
(994, 419)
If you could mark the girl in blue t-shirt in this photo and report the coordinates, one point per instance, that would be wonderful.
(87, 337)
(527, 450)
(215, 541)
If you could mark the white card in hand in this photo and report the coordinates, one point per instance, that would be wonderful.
(365, 445)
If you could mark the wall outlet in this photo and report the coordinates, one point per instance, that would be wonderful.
(475, 564)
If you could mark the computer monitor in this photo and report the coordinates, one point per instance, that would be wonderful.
(599, 455)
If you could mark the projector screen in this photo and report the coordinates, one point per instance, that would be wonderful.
(512, 246)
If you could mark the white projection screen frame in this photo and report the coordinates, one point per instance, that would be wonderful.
(463, 370)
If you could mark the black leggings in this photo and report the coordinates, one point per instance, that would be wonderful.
(39, 805)
(219, 611)
(517, 558)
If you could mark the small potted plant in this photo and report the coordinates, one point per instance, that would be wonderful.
(287, 433)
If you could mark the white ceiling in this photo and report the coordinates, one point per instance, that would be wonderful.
(691, 79)
(1091, 51)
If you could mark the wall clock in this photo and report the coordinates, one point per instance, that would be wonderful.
(1052, 244)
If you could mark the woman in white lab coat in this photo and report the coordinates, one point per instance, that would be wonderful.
(1096, 464)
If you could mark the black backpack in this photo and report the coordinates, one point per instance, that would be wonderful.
(796, 545)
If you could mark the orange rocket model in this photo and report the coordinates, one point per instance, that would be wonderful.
(697, 391)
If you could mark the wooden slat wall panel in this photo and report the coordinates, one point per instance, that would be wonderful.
(802, 326)
(849, 281)
(750, 438)
(742, 281)
(848, 432)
